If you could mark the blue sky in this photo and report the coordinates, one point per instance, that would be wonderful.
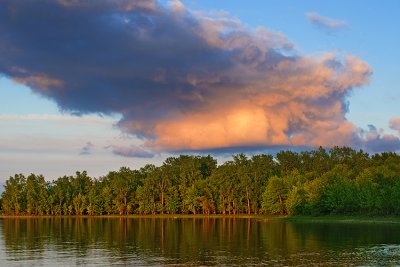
(211, 111)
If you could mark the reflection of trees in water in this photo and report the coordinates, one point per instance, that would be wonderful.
(190, 240)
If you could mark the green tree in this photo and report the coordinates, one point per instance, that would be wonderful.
(274, 197)
(81, 185)
(123, 185)
(288, 161)
(36, 195)
(14, 197)
(296, 202)
(62, 192)
(226, 184)
(367, 192)
(340, 192)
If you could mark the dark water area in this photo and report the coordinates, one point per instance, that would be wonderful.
(195, 242)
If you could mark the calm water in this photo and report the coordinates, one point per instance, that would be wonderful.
(205, 241)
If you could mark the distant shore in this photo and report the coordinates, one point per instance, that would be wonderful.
(296, 218)
(166, 216)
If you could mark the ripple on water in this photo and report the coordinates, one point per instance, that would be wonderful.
(384, 254)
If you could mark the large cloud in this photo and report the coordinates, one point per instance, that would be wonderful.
(181, 80)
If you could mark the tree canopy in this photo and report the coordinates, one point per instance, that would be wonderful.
(340, 180)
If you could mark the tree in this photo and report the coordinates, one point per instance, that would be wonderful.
(225, 183)
(123, 185)
(14, 196)
(36, 195)
(81, 184)
(367, 192)
(340, 191)
(275, 195)
(96, 199)
(288, 161)
(261, 168)
(241, 166)
(62, 192)
(340, 181)
(315, 163)
(296, 202)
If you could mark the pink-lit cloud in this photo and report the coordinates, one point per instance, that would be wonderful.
(394, 123)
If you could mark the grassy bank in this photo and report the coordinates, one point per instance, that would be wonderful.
(343, 219)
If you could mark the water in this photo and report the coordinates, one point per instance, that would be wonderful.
(195, 242)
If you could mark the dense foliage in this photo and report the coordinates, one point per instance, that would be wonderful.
(336, 181)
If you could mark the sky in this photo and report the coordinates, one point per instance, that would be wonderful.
(97, 85)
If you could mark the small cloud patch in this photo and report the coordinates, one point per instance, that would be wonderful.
(87, 149)
(130, 151)
(325, 23)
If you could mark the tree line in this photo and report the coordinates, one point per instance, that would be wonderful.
(340, 180)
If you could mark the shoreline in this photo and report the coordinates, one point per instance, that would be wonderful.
(284, 218)
(343, 219)
(165, 216)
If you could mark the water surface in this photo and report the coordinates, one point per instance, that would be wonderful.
(196, 242)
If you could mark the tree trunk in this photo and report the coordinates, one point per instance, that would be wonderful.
(162, 202)
(126, 210)
(281, 204)
(248, 202)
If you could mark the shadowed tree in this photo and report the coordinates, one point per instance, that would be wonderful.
(288, 161)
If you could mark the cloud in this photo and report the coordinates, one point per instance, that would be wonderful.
(180, 80)
(131, 151)
(109, 5)
(325, 23)
(60, 118)
(394, 124)
(374, 140)
(56, 134)
(87, 149)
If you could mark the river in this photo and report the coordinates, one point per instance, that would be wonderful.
(195, 242)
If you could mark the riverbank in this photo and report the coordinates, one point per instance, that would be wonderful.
(343, 219)
(296, 218)
(158, 216)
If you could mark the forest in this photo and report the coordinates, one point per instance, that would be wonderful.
(339, 180)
